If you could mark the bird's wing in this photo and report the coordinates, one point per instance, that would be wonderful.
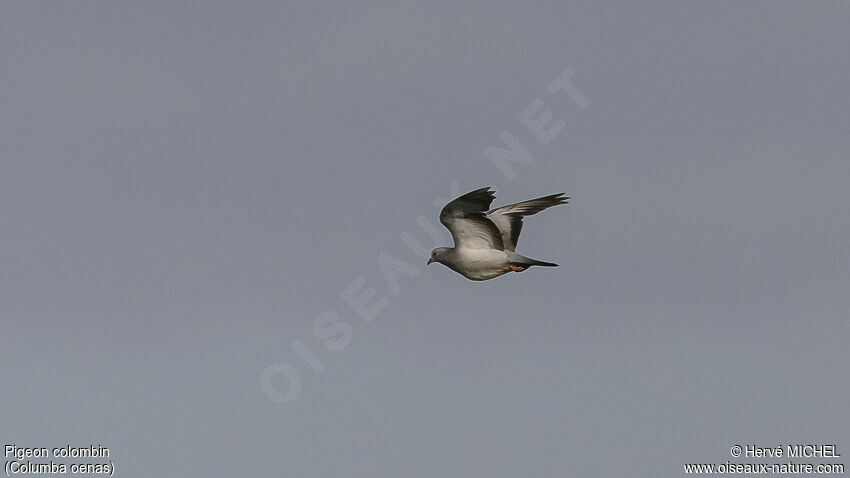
(465, 218)
(509, 218)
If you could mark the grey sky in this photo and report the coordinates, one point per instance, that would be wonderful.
(184, 189)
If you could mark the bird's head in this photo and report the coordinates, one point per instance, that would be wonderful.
(438, 254)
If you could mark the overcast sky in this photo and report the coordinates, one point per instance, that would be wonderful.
(186, 190)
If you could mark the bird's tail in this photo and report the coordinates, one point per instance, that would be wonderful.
(518, 260)
(535, 262)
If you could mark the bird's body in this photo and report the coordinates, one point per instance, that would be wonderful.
(476, 264)
(485, 241)
(484, 264)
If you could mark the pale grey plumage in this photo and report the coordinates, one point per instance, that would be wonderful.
(509, 218)
(485, 241)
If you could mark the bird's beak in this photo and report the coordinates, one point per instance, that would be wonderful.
(430, 260)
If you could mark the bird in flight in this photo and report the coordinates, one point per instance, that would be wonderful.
(485, 241)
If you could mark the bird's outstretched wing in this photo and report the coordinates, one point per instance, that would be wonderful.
(465, 218)
(508, 219)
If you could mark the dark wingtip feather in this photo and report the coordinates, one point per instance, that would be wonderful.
(562, 198)
(533, 206)
(477, 200)
(481, 193)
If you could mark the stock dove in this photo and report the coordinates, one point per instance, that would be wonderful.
(485, 241)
